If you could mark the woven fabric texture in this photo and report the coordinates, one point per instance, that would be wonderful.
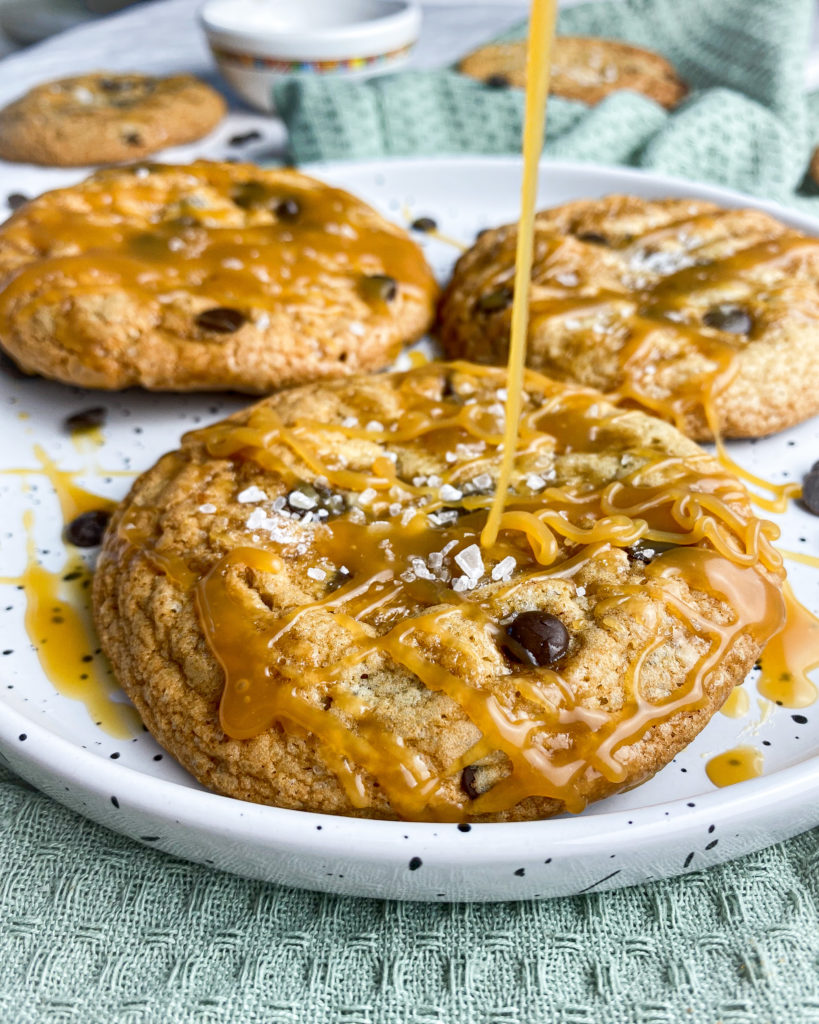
(96, 929)
(745, 123)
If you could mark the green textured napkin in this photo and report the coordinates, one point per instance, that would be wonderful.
(95, 929)
(744, 124)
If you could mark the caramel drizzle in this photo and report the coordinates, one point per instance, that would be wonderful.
(411, 623)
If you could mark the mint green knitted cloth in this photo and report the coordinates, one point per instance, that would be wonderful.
(95, 929)
(744, 124)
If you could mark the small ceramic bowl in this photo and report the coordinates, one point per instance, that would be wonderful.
(256, 42)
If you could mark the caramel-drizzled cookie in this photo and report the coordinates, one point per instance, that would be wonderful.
(703, 315)
(106, 118)
(210, 275)
(583, 68)
(298, 605)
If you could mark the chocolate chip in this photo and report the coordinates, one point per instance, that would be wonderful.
(646, 551)
(379, 286)
(15, 200)
(469, 778)
(220, 320)
(729, 318)
(497, 81)
(251, 194)
(536, 638)
(244, 138)
(495, 301)
(424, 224)
(87, 419)
(87, 529)
(593, 237)
(810, 492)
(288, 209)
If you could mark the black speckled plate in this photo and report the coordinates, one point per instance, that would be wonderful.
(677, 822)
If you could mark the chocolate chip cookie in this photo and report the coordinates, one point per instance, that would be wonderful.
(583, 68)
(106, 118)
(701, 314)
(209, 275)
(299, 604)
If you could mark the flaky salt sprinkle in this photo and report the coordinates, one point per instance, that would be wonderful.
(482, 482)
(252, 493)
(504, 569)
(357, 328)
(207, 508)
(315, 573)
(367, 495)
(349, 422)
(300, 500)
(471, 561)
(376, 426)
(450, 493)
(535, 482)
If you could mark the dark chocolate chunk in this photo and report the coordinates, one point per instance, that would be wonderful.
(87, 419)
(251, 194)
(379, 286)
(288, 209)
(87, 529)
(468, 779)
(536, 638)
(497, 82)
(423, 224)
(730, 318)
(494, 301)
(810, 491)
(221, 320)
(244, 138)
(646, 551)
(15, 200)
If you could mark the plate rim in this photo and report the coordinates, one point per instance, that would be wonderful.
(290, 830)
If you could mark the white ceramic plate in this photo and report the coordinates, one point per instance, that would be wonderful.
(677, 822)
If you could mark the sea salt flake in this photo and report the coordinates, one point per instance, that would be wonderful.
(434, 481)
(435, 560)
(581, 591)
(349, 422)
(300, 500)
(568, 279)
(471, 561)
(207, 508)
(262, 322)
(482, 482)
(252, 493)
(535, 482)
(504, 568)
(231, 263)
(357, 328)
(375, 425)
(460, 584)
(315, 573)
(450, 493)
(367, 495)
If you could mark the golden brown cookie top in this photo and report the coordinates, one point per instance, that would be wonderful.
(695, 312)
(233, 275)
(583, 68)
(106, 117)
(328, 539)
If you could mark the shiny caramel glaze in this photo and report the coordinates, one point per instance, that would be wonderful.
(628, 295)
(736, 765)
(59, 625)
(104, 283)
(356, 642)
